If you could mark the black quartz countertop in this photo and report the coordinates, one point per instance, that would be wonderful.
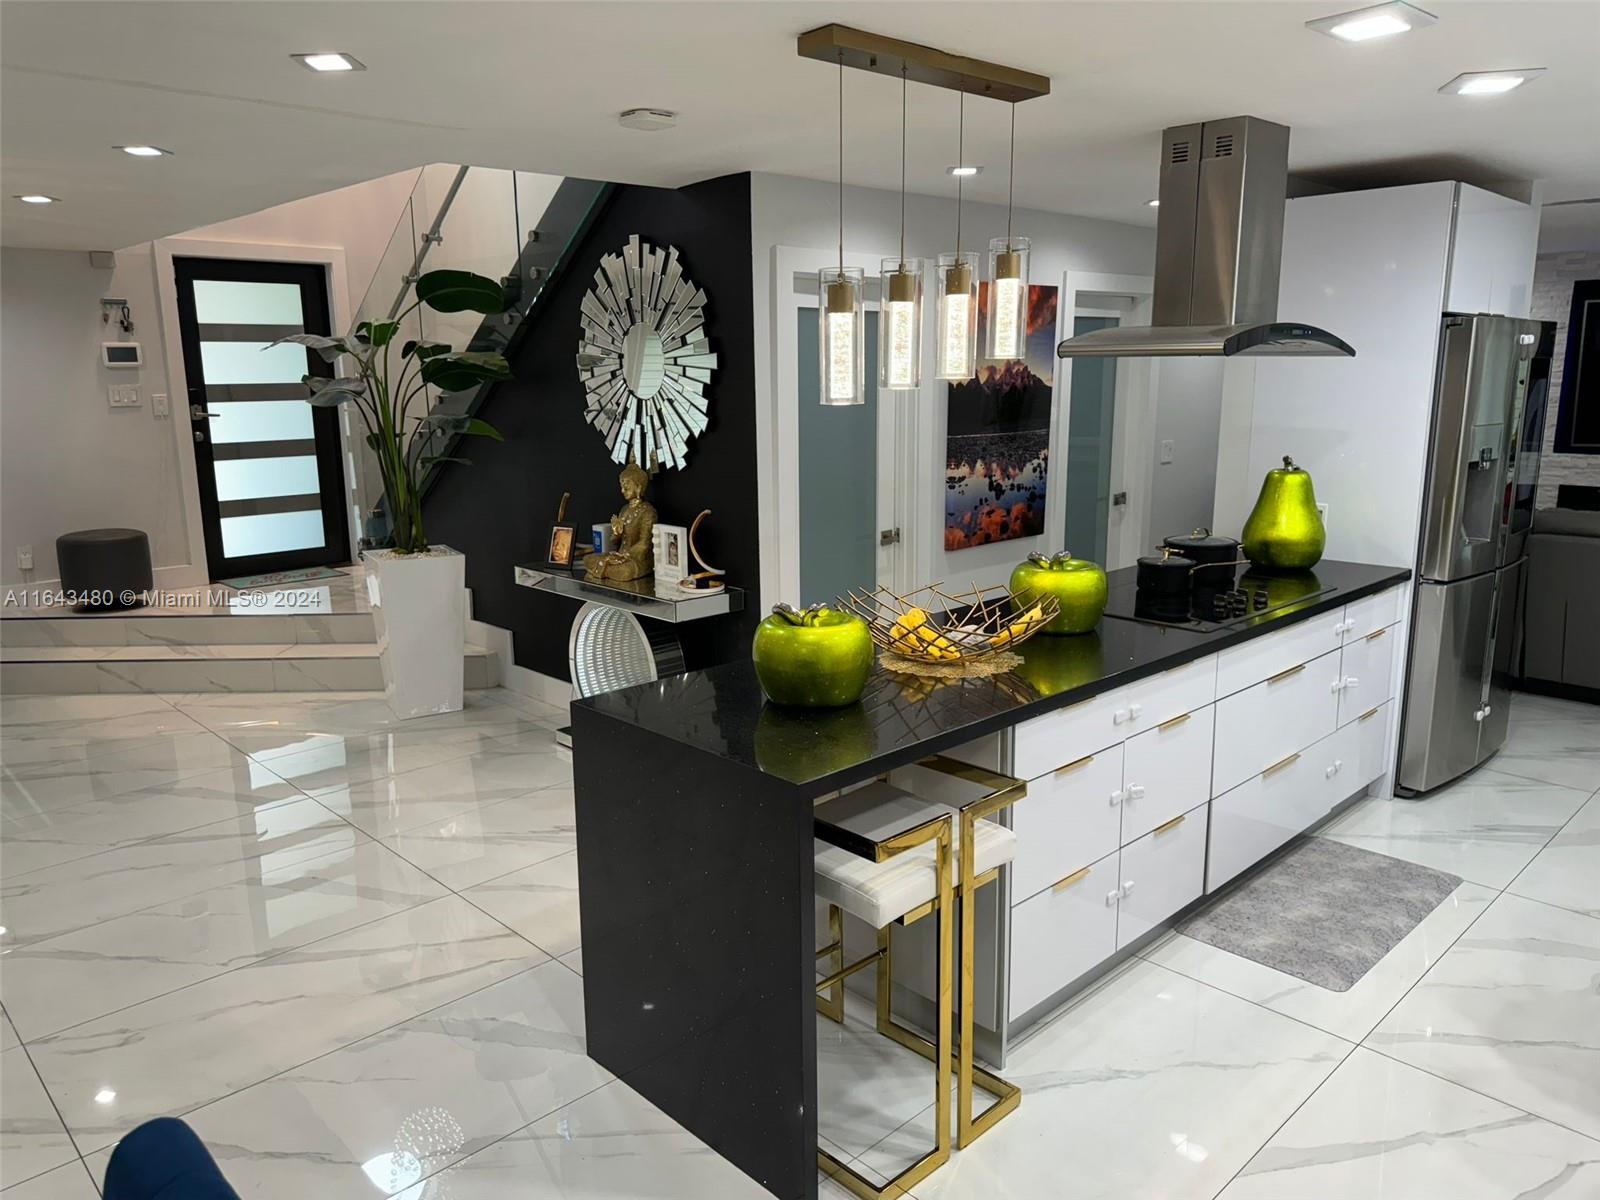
(901, 718)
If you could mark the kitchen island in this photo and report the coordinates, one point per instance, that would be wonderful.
(1164, 756)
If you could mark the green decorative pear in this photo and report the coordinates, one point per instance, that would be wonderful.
(1285, 530)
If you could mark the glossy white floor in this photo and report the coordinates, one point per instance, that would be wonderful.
(347, 950)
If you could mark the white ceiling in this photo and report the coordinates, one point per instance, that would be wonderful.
(538, 86)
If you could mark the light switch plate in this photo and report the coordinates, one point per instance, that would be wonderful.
(123, 395)
(1168, 449)
(159, 406)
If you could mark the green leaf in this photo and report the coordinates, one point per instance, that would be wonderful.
(331, 397)
(477, 428)
(461, 291)
(381, 333)
(457, 372)
(428, 460)
(346, 383)
(312, 341)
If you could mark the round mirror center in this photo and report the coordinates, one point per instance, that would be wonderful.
(643, 363)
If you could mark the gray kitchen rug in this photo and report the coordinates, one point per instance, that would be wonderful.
(1323, 912)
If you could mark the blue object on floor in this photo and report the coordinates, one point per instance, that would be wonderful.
(164, 1160)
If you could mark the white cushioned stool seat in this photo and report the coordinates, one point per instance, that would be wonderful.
(879, 893)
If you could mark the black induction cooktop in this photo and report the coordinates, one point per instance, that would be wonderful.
(1223, 604)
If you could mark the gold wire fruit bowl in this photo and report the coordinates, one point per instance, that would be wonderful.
(934, 626)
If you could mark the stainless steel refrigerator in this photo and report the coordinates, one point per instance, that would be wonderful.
(1490, 393)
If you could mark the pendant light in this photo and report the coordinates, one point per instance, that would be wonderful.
(841, 320)
(956, 317)
(900, 318)
(1008, 279)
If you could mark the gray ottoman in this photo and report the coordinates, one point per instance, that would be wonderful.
(100, 567)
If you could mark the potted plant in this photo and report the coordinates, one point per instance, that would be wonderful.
(417, 589)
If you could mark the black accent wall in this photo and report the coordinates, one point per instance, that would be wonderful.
(499, 510)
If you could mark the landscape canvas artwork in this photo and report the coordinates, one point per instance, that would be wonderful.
(998, 436)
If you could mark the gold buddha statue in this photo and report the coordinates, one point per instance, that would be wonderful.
(632, 531)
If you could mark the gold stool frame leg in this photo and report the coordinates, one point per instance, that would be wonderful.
(832, 1005)
(941, 1051)
(1007, 1095)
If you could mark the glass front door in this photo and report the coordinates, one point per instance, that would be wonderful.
(269, 464)
(1091, 419)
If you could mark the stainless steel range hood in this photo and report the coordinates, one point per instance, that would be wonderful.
(1219, 245)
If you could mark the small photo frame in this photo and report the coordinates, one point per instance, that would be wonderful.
(671, 553)
(561, 539)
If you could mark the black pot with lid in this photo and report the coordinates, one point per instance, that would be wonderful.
(1166, 574)
(1216, 558)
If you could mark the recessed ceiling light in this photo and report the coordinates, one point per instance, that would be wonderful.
(38, 198)
(1490, 83)
(143, 151)
(105, 1096)
(328, 60)
(963, 171)
(1378, 21)
(1152, 204)
(647, 120)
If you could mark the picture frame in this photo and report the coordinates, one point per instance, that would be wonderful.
(671, 552)
(562, 538)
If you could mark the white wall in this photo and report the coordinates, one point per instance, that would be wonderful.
(1189, 415)
(804, 213)
(67, 459)
(1553, 278)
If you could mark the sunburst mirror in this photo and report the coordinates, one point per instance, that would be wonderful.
(643, 357)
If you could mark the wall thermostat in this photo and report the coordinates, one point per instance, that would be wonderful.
(121, 354)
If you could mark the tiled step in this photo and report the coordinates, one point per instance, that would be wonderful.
(269, 667)
(154, 628)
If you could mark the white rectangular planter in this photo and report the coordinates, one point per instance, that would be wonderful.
(419, 607)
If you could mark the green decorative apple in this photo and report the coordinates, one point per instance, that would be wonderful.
(1285, 531)
(819, 658)
(1078, 585)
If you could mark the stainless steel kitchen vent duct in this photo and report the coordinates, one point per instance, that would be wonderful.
(1219, 247)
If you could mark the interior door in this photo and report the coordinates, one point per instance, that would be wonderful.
(1091, 419)
(269, 465)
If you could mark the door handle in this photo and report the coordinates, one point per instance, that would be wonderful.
(199, 436)
(1135, 791)
(1127, 886)
(1117, 797)
(196, 413)
(1111, 896)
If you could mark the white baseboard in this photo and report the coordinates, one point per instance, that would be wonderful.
(513, 678)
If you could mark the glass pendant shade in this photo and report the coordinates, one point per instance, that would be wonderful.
(1007, 331)
(900, 325)
(956, 320)
(841, 335)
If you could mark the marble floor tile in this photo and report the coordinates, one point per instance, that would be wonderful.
(1381, 1130)
(1557, 741)
(64, 741)
(411, 1100)
(209, 673)
(32, 1138)
(8, 1032)
(28, 843)
(1485, 827)
(316, 763)
(335, 672)
(1567, 871)
(1511, 1011)
(392, 804)
(71, 1182)
(19, 712)
(539, 902)
(1350, 1014)
(56, 900)
(112, 1073)
(55, 984)
(492, 841)
(1153, 1085)
(41, 786)
(574, 960)
(55, 629)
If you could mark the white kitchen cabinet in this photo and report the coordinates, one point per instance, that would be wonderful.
(1253, 819)
(1166, 772)
(1066, 930)
(1160, 873)
(1070, 817)
(1277, 717)
(1370, 614)
(1366, 670)
(1246, 665)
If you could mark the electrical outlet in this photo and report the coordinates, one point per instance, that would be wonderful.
(25, 558)
(1168, 448)
(1322, 511)
(159, 406)
(123, 395)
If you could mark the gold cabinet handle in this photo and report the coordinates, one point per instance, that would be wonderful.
(1170, 825)
(1290, 673)
(1374, 636)
(1175, 722)
(1075, 764)
(1077, 876)
(1369, 714)
(1281, 764)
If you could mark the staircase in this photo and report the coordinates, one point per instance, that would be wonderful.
(300, 638)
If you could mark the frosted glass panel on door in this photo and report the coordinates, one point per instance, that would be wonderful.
(254, 478)
(260, 421)
(251, 362)
(1090, 419)
(236, 302)
(271, 533)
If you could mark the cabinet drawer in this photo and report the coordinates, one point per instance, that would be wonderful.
(1261, 814)
(1363, 616)
(1061, 933)
(1068, 818)
(1271, 654)
(1160, 873)
(1166, 771)
(1362, 752)
(1366, 672)
(1278, 716)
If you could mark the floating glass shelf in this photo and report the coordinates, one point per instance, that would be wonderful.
(646, 598)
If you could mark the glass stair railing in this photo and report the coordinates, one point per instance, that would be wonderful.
(515, 226)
